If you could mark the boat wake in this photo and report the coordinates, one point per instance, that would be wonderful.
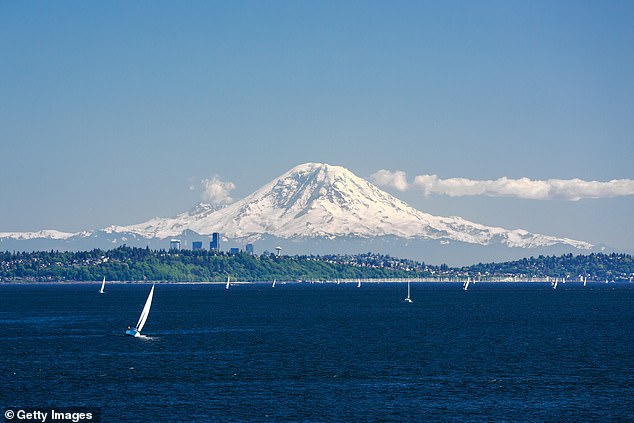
(148, 338)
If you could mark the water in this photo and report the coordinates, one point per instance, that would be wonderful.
(322, 352)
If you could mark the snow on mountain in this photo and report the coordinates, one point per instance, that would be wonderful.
(47, 233)
(315, 200)
(167, 227)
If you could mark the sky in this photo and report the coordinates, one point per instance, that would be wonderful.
(116, 112)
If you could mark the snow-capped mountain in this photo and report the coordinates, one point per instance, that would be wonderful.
(320, 209)
(315, 200)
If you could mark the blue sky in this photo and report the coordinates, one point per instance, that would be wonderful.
(111, 111)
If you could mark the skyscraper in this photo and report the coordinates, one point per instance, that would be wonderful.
(197, 245)
(214, 245)
(175, 244)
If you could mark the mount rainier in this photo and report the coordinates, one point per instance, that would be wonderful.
(319, 208)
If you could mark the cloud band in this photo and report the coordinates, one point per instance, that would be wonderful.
(550, 189)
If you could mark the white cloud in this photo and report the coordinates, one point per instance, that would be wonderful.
(396, 179)
(217, 191)
(562, 189)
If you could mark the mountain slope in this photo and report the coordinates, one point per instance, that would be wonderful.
(315, 200)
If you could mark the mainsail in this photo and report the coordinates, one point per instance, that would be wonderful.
(146, 311)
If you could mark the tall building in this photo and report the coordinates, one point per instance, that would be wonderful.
(175, 244)
(249, 249)
(214, 245)
(197, 245)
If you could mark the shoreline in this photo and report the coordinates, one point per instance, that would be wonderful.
(316, 282)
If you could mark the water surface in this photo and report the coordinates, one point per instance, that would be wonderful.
(520, 352)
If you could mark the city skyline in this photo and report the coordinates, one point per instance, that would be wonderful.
(117, 113)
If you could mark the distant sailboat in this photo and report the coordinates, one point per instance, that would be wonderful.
(228, 282)
(273, 286)
(585, 280)
(359, 284)
(466, 284)
(555, 284)
(103, 285)
(408, 299)
(142, 319)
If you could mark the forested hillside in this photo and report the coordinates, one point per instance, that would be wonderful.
(138, 264)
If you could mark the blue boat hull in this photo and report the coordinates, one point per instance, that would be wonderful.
(132, 332)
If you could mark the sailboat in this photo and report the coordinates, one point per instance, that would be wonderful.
(228, 282)
(585, 280)
(466, 284)
(273, 286)
(103, 285)
(146, 310)
(555, 284)
(359, 283)
(408, 299)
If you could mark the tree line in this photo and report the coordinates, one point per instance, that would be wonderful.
(143, 264)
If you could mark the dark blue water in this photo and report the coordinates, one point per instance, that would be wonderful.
(323, 352)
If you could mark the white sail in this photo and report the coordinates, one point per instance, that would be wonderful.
(555, 284)
(585, 281)
(466, 284)
(359, 284)
(273, 286)
(408, 299)
(146, 311)
(103, 285)
(228, 282)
